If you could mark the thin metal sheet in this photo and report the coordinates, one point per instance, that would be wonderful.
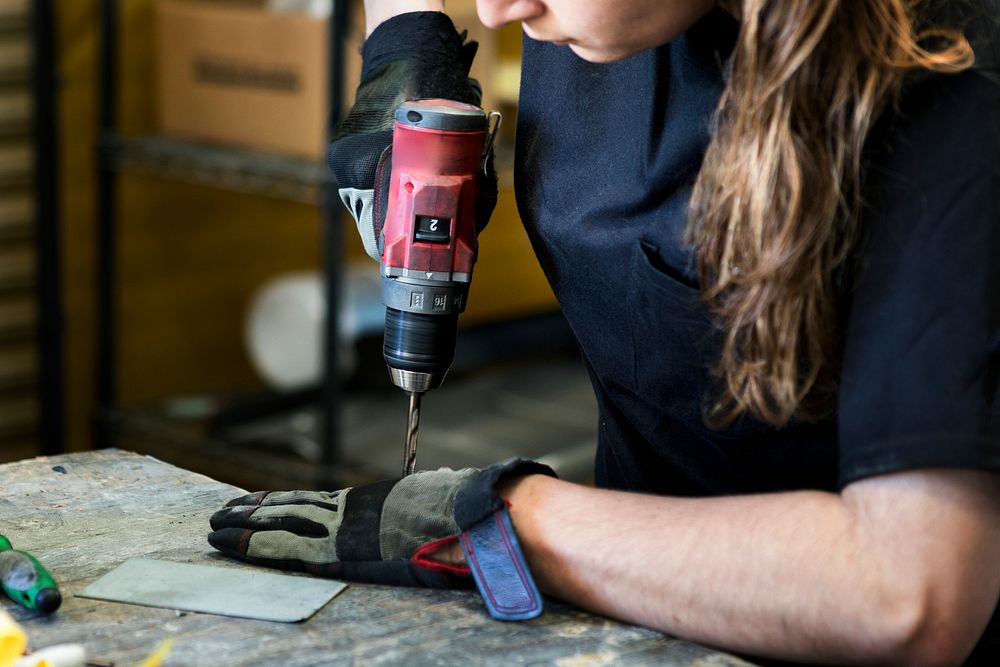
(214, 590)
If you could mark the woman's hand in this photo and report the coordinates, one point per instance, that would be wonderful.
(409, 57)
(403, 532)
(381, 532)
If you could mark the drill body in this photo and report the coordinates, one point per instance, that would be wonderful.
(429, 237)
(429, 242)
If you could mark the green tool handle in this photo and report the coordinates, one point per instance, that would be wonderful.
(25, 581)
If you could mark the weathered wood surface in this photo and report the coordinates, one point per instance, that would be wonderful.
(112, 505)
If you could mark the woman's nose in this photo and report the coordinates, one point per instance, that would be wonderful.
(498, 13)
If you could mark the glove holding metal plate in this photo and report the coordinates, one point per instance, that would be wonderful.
(387, 533)
(417, 55)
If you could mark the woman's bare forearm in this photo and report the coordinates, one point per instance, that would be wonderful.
(798, 575)
(377, 11)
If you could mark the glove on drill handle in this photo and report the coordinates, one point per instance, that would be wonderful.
(417, 55)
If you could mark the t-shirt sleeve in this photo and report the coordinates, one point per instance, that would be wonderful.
(921, 361)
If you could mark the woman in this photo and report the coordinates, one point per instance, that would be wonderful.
(771, 226)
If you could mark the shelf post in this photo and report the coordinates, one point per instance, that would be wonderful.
(48, 267)
(333, 252)
(105, 361)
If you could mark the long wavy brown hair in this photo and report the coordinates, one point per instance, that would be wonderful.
(774, 212)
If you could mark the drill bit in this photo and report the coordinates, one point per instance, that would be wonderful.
(412, 426)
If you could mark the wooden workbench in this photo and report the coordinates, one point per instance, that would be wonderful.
(83, 514)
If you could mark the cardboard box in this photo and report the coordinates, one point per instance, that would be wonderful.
(247, 77)
(233, 73)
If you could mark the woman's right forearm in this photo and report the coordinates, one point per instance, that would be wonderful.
(377, 11)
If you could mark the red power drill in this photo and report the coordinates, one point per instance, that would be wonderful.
(439, 148)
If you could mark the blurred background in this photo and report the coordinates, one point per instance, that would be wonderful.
(169, 235)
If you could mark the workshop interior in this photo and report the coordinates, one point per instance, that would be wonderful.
(278, 380)
(179, 279)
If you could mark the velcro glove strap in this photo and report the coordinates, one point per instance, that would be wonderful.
(497, 564)
(491, 549)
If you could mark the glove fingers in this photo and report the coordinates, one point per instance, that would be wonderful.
(230, 541)
(234, 542)
(318, 498)
(324, 499)
(380, 205)
(354, 158)
(381, 91)
(469, 50)
(282, 545)
(361, 164)
(254, 498)
(257, 518)
(272, 545)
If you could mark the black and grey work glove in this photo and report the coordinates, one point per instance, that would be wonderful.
(417, 55)
(386, 531)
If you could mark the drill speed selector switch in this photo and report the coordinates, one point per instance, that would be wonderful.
(429, 229)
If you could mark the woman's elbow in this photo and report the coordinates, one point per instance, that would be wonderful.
(922, 630)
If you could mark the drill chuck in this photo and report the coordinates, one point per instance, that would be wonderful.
(418, 348)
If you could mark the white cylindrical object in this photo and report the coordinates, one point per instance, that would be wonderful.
(318, 9)
(285, 324)
(61, 655)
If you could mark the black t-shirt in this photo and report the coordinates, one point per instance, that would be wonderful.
(606, 157)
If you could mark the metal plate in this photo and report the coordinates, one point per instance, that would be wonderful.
(214, 590)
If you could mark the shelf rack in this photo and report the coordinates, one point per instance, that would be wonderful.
(250, 172)
(237, 170)
(32, 418)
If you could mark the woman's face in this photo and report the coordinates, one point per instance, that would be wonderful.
(600, 31)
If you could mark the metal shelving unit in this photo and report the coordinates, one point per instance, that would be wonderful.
(48, 264)
(31, 356)
(250, 172)
(254, 173)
